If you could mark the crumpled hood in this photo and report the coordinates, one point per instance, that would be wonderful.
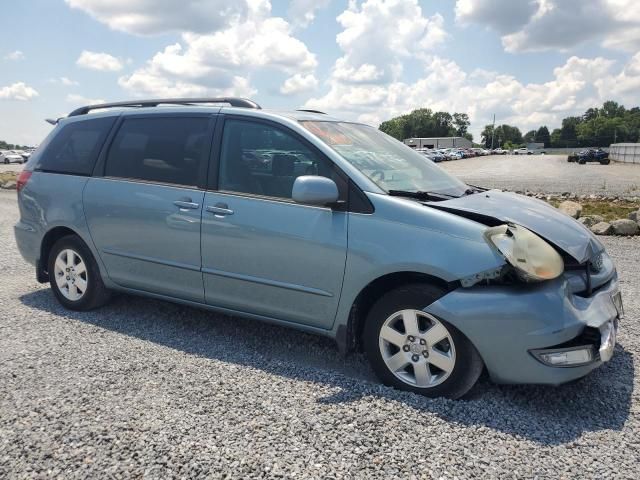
(539, 217)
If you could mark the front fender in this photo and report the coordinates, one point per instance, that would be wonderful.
(405, 236)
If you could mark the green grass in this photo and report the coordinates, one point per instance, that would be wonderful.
(608, 210)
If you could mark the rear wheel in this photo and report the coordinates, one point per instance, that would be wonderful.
(74, 275)
(412, 350)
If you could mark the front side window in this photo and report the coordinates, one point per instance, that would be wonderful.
(170, 150)
(387, 162)
(261, 159)
(74, 148)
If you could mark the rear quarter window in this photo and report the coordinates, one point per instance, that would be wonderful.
(74, 148)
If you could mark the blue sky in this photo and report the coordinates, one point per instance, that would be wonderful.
(531, 62)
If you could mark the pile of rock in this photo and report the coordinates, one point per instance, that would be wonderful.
(598, 225)
(9, 183)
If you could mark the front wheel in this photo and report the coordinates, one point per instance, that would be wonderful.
(74, 275)
(412, 350)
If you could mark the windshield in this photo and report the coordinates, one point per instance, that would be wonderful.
(387, 162)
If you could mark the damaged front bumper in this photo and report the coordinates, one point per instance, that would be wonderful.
(517, 329)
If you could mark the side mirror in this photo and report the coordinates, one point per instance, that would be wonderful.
(315, 190)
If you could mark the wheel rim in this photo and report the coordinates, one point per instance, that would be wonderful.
(71, 276)
(417, 348)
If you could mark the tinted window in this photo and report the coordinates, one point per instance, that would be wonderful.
(261, 159)
(166, 150)
(75, 147)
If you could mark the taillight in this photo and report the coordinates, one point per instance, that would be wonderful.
(23, 178)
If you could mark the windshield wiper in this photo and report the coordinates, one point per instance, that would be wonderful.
(421, 195)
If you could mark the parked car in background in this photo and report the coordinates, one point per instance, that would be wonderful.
(522, 151)
(593, 155)
(7, 157)
(24, 154)
(500, 151)
(328, 226)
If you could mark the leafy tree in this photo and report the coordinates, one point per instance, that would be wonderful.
(543, 136)
(424, 122)
(503, 134)
(529, 137)
(462, 123)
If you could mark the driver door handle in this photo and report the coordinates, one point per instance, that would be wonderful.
(220, 209)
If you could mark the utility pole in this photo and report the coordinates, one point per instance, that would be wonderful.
(493, 130)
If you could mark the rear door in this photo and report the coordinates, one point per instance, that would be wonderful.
(262, 253)
(144, 212)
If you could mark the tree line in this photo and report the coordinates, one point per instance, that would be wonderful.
(424, 122)
(10, 146)
(597, 127)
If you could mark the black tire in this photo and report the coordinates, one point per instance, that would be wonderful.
(605, 162)
(6, 161)
(96, 294)
(468, 363)
(581, 162)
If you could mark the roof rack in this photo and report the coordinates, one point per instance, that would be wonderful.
(233, 101)
(310, 111)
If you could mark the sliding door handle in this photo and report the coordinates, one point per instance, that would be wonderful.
(220, 209)
(186, 205)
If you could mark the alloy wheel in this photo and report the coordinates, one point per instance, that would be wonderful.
(70, 273)
(417, 348)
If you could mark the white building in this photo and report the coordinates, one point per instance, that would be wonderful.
(438, 142)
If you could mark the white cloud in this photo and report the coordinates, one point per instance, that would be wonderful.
(303, 12)
(67, 82)
(576, 85)
(18, 91)
(623, 86)
(535, 25)
(147, 17)
(99, 61)
(378, 34)
(222, 62)
(298, 84)
(15, 55)
(80, 100)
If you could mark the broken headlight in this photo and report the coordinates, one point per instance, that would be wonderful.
(533, 258)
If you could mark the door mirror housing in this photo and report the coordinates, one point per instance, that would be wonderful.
(315, 190)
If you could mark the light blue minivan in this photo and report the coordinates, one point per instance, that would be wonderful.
(329, 226)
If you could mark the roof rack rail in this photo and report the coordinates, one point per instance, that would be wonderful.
(233, 101)
(310, 111)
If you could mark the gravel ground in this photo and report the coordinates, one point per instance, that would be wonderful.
(149, 389)
(548, 174)
(12, 167)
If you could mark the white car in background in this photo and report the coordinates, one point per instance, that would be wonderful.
(7, 157)
(522, 151)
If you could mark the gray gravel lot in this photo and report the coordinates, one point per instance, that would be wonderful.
(548, 174)
(12, 167)
(149, 389)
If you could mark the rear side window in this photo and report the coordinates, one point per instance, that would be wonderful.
(75, 148)
(165, 149)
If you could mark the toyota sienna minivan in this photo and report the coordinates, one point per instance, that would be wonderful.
(329, 226)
